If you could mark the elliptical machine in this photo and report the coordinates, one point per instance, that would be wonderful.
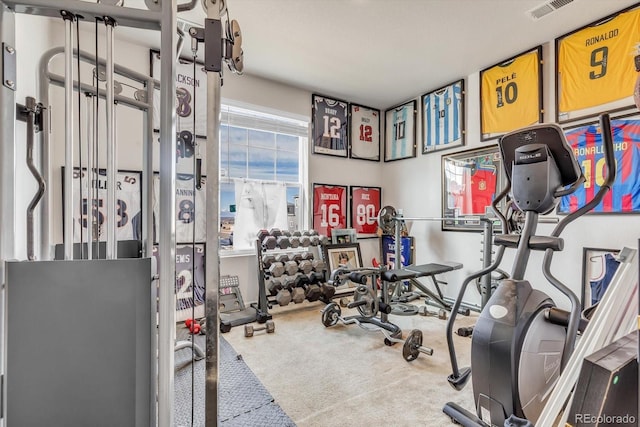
(521, 341)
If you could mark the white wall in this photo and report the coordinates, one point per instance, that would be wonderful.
(246, 90)
(413, 184)
(416, 188)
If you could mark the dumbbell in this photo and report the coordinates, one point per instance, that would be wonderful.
(313, 233)
(294, 241)
(297, 292)
(283, 242)
(318, 265)
(324, 240)
(274, 286)
(314, 240)
(305, 241)
(311, 291)
(266, 240)
(297, 257)
(291, 267)
(328, 292)
(269, 326)
(308, 255)
(465, 332)
(283, 297)
(276, 269)
(267, 260)
(282, 258)
(193, 326)
(305, 266)
(286, 233)
(296, 233)
(275, 232)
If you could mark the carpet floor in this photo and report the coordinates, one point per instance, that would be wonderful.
(345, 375)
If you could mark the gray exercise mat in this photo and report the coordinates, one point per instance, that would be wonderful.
(243, 399)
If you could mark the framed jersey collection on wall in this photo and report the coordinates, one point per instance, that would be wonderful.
(470, 181)
(400, 132)
(511, 94)
(595, 66)
(365, 205)
(443, 118)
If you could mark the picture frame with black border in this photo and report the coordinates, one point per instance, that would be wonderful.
(343, 235)
(443, 117)
(132, 221)
(511, 94)
(400, 132)
(346, 255)
(329, 126)
(329, 210)
(600, 72)
(188, 89)
(365, 204)
(599, 264)
(470, 181)
(586, 142)
(364, 134)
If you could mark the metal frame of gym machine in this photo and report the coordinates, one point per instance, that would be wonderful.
(165, 20)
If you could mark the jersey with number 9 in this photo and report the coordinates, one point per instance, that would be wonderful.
(595, 64)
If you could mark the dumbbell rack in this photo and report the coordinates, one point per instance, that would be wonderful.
(322, 291)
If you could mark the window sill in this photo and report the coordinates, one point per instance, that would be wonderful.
(233, 253)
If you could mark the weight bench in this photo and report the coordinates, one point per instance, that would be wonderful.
(411, 273)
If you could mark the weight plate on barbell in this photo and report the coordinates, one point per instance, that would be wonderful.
(330, 314)
(410, 350)
(386, 217)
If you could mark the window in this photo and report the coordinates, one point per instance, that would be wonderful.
(258, 149)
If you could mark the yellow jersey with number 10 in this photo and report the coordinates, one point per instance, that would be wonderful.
(511, 94)
(595, 64)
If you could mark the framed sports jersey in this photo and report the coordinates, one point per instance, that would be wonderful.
(190, 210)
(191, 95)
(443, 118)
(470, 181)
(329, 208)
(365, 205)
(388, 250)
(400, 132)
(126, 212)
(595, 69)
(624, 195)
(599, 265)
(330, 126)
(364, 137)
(190, 280)
(511, 94)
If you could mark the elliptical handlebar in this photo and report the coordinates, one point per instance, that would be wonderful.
(574, 317)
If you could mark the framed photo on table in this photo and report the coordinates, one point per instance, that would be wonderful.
(511, 94)
(364, 135)
(595, 69)
(330, 126)
(598, 268)
(470, 181)
(365, 205)
(329, 208)
(586, 142)
(345, 254)
(400, 132)
(443, 118)
(343, 235)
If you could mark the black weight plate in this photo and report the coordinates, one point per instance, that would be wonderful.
(412, 343)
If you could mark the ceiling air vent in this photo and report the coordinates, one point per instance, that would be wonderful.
(547, 8)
